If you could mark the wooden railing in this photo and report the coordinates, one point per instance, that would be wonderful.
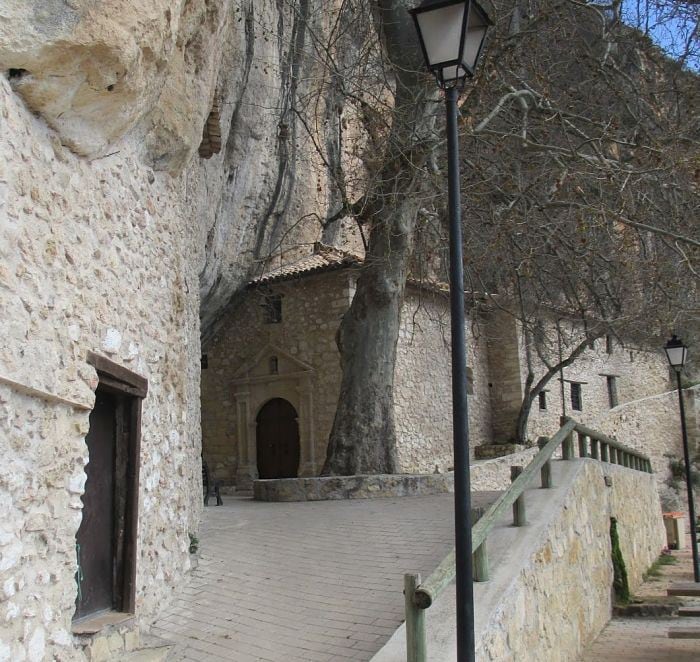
(420, 595)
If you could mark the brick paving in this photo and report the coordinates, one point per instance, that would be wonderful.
(646, 639)
(309, 582)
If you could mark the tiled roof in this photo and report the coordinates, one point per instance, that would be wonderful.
(324, 258)
(329, 258)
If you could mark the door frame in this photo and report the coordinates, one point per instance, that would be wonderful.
(132, 388)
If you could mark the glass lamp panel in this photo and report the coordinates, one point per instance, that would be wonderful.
(676, 355)
(441, 30)
(476, 32)
(451, 73)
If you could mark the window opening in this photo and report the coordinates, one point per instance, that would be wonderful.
(576, 400)
(272, 307)
(543, 399)
(612, 390)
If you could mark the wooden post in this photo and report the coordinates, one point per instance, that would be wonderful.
(546, 470)
(519, 516)
(582, 445)
(480, 561)
(567, 446)
(415, 621)
(594, 448)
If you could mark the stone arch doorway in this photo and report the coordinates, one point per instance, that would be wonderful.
(277, 440)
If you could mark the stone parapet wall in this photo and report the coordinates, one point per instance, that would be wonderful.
(569, 576)
(331, 488)
(549, 591)
(494, 474)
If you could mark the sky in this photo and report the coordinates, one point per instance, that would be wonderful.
(671, 24)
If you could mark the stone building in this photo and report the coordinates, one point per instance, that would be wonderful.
(272, 377)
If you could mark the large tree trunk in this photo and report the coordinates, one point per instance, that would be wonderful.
(363, 438)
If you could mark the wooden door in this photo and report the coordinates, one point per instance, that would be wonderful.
(95, 538)
(277, 440)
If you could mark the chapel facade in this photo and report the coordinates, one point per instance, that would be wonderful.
(272, 378)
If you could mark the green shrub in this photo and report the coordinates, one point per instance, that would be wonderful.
(620, 584)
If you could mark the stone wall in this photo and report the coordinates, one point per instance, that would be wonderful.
(312, 308)
(423, 385)
(311, 312)
(652, 426)
(94, 256)
(639, 374)
(569, 576)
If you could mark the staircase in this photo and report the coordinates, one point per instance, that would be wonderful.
(691, 628)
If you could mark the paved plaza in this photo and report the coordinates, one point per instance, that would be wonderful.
(311, 582)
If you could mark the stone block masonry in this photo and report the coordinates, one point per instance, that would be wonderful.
(94, 257)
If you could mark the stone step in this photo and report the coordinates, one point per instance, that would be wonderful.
(688, 589)
(684, 632)
(689, 611)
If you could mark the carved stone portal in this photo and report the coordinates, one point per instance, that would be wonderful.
(272, 373)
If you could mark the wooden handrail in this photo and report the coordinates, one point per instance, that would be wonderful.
(605, 448)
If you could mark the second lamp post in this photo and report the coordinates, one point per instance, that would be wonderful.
(452, 34)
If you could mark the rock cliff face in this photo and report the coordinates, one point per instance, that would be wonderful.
(119, 77)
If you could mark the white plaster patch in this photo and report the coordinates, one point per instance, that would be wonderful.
(76, 483)
(11, 611)
(9, 587)
(60, 637)
(10, 556)
(37, 644)
(112, 341)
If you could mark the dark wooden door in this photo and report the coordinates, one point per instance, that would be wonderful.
(95, 538)
(277, 440)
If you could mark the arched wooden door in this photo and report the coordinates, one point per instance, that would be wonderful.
(277, 440)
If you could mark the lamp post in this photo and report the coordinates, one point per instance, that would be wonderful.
(451, 34)
(676, 353)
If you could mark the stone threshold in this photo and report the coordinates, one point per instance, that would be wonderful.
(97, 622)
(369, 486)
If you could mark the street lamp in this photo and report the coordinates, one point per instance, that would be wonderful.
(677, 353)
(451, 34)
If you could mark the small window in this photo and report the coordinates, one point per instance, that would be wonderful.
(612, 390)
(272, 307)
(631, 357)
(470, 381)
(274, 365)
(609, 344)
(576, 400)
(543, 399)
